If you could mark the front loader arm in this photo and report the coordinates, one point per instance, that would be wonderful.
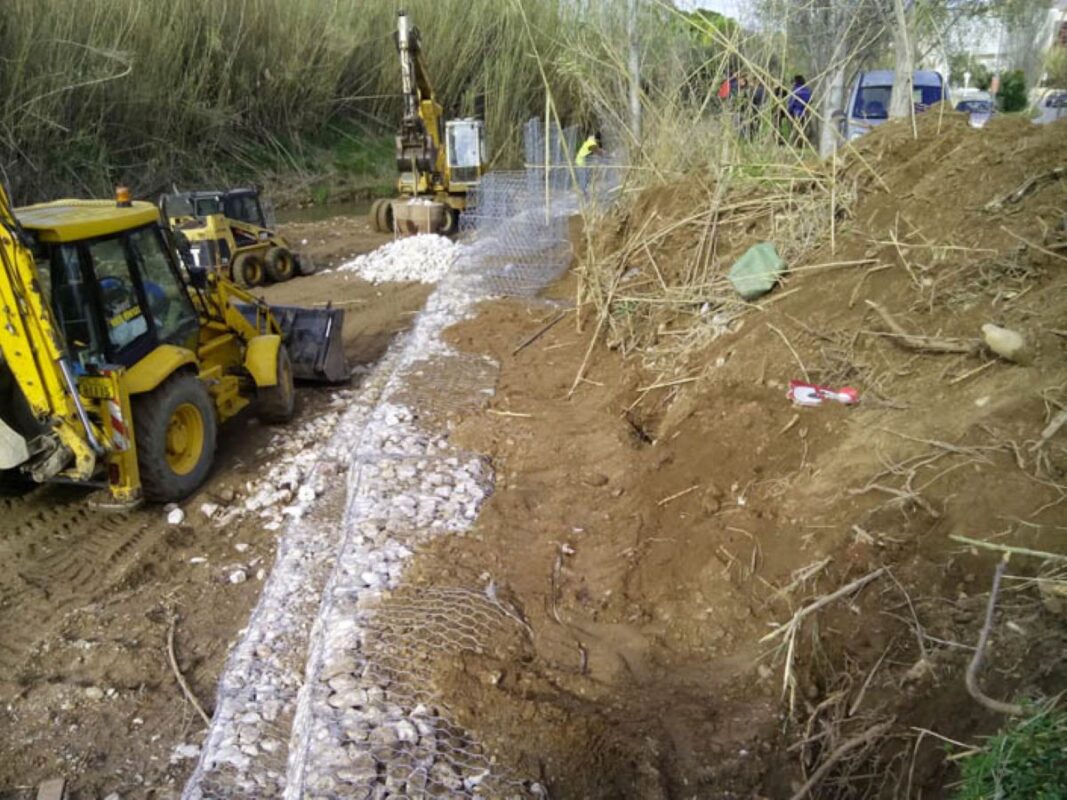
(30, 348)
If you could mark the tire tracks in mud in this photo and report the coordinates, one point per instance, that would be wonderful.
(59, 555)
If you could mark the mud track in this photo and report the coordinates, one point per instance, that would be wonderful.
(88, 597)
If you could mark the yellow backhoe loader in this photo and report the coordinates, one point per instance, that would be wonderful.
(228, 232)
(118, 362)
(439, 162)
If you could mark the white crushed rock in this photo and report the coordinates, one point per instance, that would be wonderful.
(301, 713)
(425, 258)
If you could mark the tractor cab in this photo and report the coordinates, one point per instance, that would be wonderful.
(111, 279)
(227, 231)
(241, 205)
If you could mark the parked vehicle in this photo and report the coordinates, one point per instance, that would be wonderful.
(869, 100)
(980, 107)
(1051, 106)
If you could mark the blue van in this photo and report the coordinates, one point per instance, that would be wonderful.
(868, 102)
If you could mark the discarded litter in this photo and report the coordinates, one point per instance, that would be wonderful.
(1006, 343)
(757, 271)
(810, 394)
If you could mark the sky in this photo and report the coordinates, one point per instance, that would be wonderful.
(731, 8)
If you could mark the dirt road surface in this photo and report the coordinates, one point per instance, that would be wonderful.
(89, 598)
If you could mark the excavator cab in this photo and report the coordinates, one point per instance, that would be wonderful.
(117, 297)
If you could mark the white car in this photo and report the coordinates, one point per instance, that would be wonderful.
(869, 100)
(1050, 106)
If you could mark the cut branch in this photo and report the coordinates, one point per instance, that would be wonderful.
(922, 344)
(976, 662)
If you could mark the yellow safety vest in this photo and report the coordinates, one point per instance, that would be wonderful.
(588, 146)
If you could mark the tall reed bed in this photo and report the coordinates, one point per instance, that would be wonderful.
(98, 91)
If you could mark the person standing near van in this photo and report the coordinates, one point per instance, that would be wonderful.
(799, 106)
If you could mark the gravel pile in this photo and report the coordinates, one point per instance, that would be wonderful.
(425, 258)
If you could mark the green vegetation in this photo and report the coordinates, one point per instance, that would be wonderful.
(960, 63)
(1056, 67)
(1028, 760)
(156, 91)
(1012, 94)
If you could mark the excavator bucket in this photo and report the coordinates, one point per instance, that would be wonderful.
(313, 338)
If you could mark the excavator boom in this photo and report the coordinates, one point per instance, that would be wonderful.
(41, 414)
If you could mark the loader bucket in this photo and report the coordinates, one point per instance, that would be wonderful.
(313, 338)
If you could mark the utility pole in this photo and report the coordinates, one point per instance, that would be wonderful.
(635, 72)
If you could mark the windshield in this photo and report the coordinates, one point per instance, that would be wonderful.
(177, 205)
(872, 102)
(975, 106)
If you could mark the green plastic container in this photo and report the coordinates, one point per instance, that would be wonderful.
(757, 271)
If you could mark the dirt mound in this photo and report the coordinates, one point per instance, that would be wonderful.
(654, 526)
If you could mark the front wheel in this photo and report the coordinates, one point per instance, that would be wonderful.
(175, 429)
(279, 264)
(277, 403)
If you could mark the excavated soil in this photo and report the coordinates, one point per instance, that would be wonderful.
(652, 538)
(88, 597)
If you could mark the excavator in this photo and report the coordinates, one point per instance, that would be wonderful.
(439, 161)
(119, 356)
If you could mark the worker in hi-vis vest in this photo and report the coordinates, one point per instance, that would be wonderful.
(590, 146)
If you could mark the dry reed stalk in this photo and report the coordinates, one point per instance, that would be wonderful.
(971, 678)
(926, 344)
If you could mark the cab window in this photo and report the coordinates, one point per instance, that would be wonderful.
(124, 315)
(74, 304)
(244, 208)
(168, 302)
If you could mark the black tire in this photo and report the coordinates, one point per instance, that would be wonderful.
(278, 403)
(164, 476)
(385, 216)
(15, 482)
(279, 264)
(451, 224)
(248, 270)
(305, 264)
(372, 215)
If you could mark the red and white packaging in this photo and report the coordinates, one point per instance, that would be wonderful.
(809, 394)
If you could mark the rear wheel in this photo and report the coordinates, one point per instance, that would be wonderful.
(372, 215)
(277, 403)
(248, 270)
(175, 429)
(451, 222)
(305, 264)
(385, 216)
(279, 264)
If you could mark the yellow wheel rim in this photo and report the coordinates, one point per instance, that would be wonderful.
(285, 266)
(185, 439)
(254, 272)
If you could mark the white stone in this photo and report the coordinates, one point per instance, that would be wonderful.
(175, 516)
(238, 576)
